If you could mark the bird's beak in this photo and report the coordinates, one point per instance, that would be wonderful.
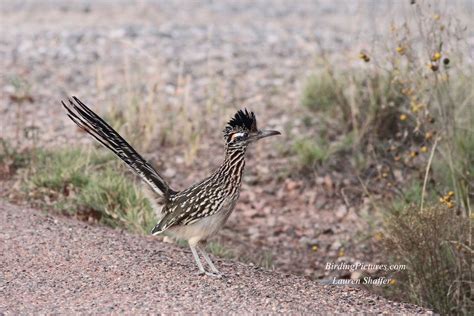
(265, 133)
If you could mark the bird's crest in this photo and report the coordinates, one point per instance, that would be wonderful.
(243, 120)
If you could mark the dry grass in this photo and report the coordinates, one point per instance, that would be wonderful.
(151, 113)
(434, 243)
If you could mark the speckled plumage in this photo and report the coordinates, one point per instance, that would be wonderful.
(198, 212)
(213, 194)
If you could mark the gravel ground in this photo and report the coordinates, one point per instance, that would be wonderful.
(53, 265)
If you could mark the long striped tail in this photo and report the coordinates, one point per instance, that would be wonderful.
(86, 119)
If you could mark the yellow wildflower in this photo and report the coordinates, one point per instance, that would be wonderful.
(436, 56)
(378, 236)
(403, 117)
(424, 149)
(314, 248)
(436, 17)
(401, 50)
(415, 106)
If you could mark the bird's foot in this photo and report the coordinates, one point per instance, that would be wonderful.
(215, 275)
(211, 274)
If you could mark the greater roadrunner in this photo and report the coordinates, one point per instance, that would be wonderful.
(198, 212)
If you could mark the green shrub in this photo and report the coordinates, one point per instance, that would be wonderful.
(311, 152)
(319, 93)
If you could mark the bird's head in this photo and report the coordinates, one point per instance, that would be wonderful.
(242, 130)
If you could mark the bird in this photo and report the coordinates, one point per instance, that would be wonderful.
(198, 212)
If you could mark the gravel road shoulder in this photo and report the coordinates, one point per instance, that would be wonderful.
(57, 265)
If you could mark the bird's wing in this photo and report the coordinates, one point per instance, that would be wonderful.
(188, 207)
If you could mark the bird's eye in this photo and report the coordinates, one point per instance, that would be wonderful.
(239, 136)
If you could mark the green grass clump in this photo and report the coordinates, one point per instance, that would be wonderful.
(90, 185)
(311, 152)
(319, 93)
(434, 244)
(316, 152)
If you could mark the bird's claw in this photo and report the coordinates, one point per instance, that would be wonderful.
(214, 274)
(211, 274)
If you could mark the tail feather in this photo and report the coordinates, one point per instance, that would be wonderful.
(86, 119)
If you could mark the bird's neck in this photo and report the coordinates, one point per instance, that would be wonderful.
(233, 166)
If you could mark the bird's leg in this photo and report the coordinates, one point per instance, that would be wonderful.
(209, 262)
(215, 272)
(198, 261)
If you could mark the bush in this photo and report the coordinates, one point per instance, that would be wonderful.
(319, 93)
(434, 244)
(311, 152)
